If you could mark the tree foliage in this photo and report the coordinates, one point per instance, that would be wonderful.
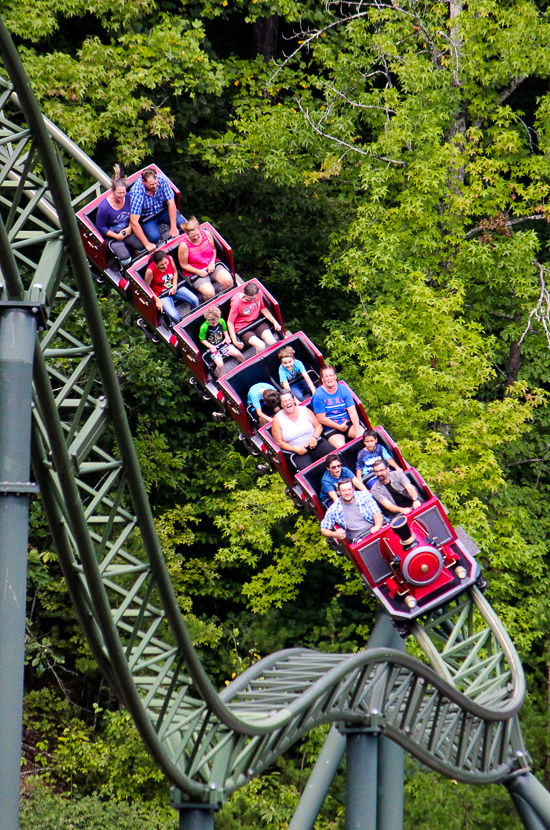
(387, 177)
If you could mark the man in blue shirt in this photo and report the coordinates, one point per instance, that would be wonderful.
(152, 202)
(335, 408)
(356, 514)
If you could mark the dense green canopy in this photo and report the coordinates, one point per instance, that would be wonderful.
(384, 168)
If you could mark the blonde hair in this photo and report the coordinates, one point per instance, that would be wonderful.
(288, 351)
(191, 223)
(118, 179)
(212, 315)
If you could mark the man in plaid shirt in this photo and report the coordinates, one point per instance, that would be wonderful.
(152, 201)
(356, 513)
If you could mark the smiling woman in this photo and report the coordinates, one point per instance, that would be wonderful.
(197, 257)
(297, 430)
(113, 220)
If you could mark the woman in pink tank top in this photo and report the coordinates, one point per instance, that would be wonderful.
(197, 257)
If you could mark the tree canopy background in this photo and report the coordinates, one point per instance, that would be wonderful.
(383, 168)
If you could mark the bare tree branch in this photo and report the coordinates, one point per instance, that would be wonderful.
(525, 461)
(340, 94)
(541, 311)
(315, 128)
(509, 224)
(317, 33)
(310, 36)
(512, 88)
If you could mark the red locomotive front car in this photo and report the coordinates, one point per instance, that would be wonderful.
(417, 562)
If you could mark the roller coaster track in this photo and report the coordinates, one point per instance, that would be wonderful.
(457, 715)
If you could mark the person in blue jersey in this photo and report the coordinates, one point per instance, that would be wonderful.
(335, 408)
(334, 473)
(372, 451)
(152, 201)
(265, 400)
(353, 516)
(293, 375)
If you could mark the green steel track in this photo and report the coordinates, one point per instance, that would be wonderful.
(457, 714)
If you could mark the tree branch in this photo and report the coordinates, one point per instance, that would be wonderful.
(508, 224)
(526, 461)
(338, 92)
(317, 33)
(541, 311)
(512, 88)
(315, 128)
(414, 15)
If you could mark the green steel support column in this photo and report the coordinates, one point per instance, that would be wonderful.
(391, 769)
(531, 800)
(320, 781)
(391, 782)
(375, 765)
(196, 817)
(361, 779)
(330, 757)
(17, 339)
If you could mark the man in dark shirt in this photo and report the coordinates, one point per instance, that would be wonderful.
(392, 490)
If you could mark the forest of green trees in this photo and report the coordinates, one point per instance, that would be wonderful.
(384, 169)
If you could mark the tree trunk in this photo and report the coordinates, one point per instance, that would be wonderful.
(514, 359)
(513, 364)
(266, 30)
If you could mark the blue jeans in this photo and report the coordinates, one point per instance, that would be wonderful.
(181, 294)
(150, 227)
(300, 389)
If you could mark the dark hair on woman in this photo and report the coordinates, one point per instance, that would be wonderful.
(118, 179)
(158, 256)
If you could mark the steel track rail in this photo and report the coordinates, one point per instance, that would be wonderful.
(460, 718)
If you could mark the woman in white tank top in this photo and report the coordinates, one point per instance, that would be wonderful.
(297, 430)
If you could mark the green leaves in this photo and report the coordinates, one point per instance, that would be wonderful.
(124, 91)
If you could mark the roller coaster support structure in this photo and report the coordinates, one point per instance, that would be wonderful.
(531, 800)
(18, 319)
(375, 768)
(195, 816)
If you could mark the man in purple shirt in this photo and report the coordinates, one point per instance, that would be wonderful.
(152, 202)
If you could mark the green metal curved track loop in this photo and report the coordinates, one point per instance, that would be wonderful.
(459, 717)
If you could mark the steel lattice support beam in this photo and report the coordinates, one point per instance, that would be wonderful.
(17, 339)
